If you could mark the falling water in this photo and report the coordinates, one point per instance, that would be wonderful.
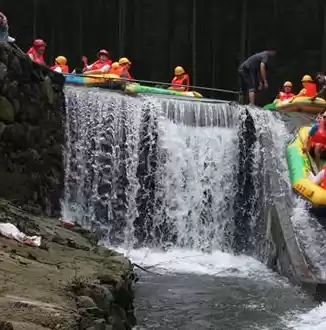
(194, 180)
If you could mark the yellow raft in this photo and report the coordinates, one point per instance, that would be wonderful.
(301, 104)
(299, 168)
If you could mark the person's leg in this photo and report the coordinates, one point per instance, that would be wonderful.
(251, 87)
(317, 153)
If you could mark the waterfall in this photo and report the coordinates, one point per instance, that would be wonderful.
(157, 172)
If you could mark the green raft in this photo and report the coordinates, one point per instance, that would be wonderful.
(136, 88)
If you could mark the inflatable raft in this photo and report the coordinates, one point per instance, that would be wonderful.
(299, 168)
(299, 104)
(136, 88)
(93, 80)
(111, 81)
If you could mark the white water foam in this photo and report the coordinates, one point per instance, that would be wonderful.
(311, 236)
(217, 263)
(315, 319)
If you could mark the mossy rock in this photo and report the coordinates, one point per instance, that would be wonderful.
(7, 111)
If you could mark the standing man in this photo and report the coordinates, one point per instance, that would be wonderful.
(320, 77)
(253, 74)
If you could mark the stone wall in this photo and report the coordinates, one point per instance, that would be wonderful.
(31, 132)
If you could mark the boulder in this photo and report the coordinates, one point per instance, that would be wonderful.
(7, 111)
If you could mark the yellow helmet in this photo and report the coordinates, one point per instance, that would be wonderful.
(61, 60)
(287, 84)
(306, 78)
(179, 70)
(115, 65)
(124, 60)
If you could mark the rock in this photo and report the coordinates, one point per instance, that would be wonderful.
(46, 88)
(32, 107)
(102, 296)
(95, 311)
(99, 324)
(3, 71)
(7, 111)
(2, 128)
(85, 302)
(4, 325)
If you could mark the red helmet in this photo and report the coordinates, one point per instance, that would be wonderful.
(103, 52)
(38, 43)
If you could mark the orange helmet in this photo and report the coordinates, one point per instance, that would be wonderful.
(306, 78)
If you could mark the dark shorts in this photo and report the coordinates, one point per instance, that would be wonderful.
(248, 81)
(322, 154)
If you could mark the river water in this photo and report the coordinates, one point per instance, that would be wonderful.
(163, 182)
(187, 290)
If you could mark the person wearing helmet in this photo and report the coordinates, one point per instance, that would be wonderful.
(309, 87)
(115, 68)
(285, 93)
(315, 143)
(36, 52)
(253, 74)
(102, 65)
(4, 29)
(124, 67)
(181, 80)
(321, 79)
(60, 65)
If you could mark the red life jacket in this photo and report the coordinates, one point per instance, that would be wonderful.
(319, 136)
(37, 57)
(323, 181)
(310, 89)
(285, 96)
(99, 64)
(64, 68)
(178, 81)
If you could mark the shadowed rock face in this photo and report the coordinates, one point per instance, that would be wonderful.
(31, 132)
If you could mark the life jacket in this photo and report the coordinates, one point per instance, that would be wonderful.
(178, 81)
(310, 90)
(123, 72)
(99, 64)
(319, 136)
(64, 68)
(37, 57)
(116, 71)
(285, 96)
(323, 181)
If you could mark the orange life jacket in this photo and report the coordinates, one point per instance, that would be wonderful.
(178, 81)
(37, 57)
(99, 64)
(285, 96)
(116, 71)
(123, 72)
(319, 136)
(64, 68)
(310, 90)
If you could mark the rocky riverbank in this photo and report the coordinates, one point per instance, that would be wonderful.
(68, 283)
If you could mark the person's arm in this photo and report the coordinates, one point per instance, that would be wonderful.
(105, 68)
(320, 93)
(311, 132)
